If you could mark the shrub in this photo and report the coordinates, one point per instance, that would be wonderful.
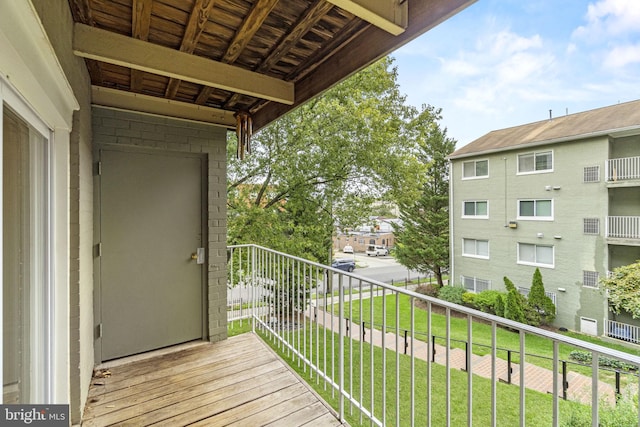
(499, 307)
(430, 290)
(513, 307)
(452, 294)
(487, 300)
(540, 309)
(469, 299)
(606, 362)
(514, 302)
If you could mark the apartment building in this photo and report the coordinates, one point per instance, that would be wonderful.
(562, 195)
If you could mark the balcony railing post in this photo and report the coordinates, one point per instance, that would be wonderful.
(433, 348)
(406, 342)
(341, 336)
(509, 366)
(565, 383)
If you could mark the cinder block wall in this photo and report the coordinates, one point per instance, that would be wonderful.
(125, 128)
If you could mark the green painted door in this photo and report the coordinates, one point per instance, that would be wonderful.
(151, 290)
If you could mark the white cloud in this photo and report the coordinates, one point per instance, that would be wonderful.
(610, 18)
(622, 56)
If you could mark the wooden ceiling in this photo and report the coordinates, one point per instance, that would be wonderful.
(206, 60)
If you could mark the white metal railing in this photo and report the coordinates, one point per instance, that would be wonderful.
(623, 331)
(623, 227)
(623, 168)
(344, 332)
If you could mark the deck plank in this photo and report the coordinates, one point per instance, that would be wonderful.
(239, 381)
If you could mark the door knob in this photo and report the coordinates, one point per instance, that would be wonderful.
(194, 256)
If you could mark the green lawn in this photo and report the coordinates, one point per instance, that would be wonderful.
(360, 310)
(538, 406)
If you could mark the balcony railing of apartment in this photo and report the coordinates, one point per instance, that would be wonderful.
(623, 227)
(623, 331)
(623, 168)
(318, 317)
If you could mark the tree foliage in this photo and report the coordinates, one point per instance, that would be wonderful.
(321, 166)
(540, 308)
(422, 239)
(514, 302)
(623, 287)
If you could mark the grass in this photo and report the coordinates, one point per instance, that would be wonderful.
(482, 333)
(538, 406)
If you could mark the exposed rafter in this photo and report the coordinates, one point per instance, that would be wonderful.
(140, 23)
(197, 19)
(94, 43)
(243, 36)
(390, 15)
(165, 107)
(308, 20)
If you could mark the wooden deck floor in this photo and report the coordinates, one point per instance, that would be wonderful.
(239, 381)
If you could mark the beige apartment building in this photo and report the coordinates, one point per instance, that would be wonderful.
(562, 195)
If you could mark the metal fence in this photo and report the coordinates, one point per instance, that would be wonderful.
(318, 315)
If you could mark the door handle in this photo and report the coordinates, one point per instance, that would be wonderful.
(198, 256)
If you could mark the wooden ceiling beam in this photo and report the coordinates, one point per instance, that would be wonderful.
(371, 45)
(140, 24)
(302, 27)
(107, 46)
(198, 18)
(247, 30)
(114, 98)
(389, 15)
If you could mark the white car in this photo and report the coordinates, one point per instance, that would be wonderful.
(377, 250)
(347, 249)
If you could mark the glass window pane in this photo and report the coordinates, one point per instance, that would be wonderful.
(544, 255)
(527, 207)
(469, 246)
(482, 248)
(468, 169)
(482, 168)
(469, 208)
(526, 253)
(481, 208)
(525, 163)
(543, 208)
(543, 161)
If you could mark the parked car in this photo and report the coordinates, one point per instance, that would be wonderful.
(377, 250)
(344, 264)
(347, 249)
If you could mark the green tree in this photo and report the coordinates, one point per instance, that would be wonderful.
(514, 302)
(623, 286)
(540, 308)
(319, 166)
(422, 239)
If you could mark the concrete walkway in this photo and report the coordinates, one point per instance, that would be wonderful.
(536, 378)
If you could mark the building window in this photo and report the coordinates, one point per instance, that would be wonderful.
(26, 257)
(535, 209)
(535, 162)
(475, 248)
(591, 225)
(475, 209)
(590, 279)
(537, 255)
(591, 174)
(475, 169)
(526, 291)
(473, 284)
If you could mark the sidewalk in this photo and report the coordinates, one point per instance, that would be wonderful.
(536, 378)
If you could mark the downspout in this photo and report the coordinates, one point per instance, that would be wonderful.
(451, 256)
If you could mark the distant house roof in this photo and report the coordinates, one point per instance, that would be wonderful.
(616, 119)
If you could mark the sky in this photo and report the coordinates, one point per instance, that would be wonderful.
(503, 63)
